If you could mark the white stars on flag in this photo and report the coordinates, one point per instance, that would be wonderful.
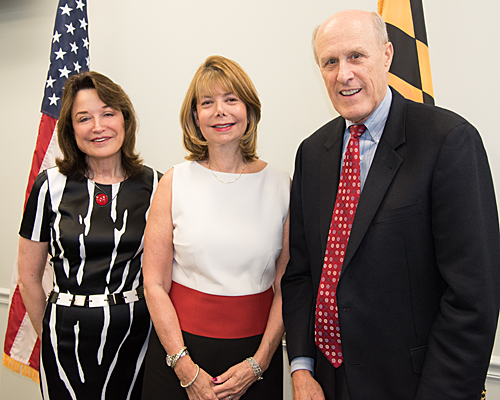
(60, 54)
(80, 4)
(66, 10)
(50, 82)
(53, 99)
(69, 53)
(55, 37)
(70, 28)
(83, 24)
(78, 67)
(64, 72)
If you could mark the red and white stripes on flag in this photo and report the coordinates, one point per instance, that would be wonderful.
(22, 346)
(69, 55)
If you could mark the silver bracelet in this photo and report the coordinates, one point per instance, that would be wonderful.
(196, 376)
(257, 370)
(172, 360)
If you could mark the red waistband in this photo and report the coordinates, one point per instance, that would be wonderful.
(224, 317)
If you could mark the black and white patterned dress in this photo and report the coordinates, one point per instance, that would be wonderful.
(92, 353)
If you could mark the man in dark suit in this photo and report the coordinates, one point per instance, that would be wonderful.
(417, 296)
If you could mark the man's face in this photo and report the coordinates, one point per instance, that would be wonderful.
(353, 64)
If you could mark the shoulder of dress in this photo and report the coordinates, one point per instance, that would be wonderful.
(148, 175)
(53, 175)
(185, 164)
(278, 172)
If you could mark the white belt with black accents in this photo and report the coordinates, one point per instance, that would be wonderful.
(95, 300)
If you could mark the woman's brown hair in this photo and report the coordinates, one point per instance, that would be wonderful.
(74, 163)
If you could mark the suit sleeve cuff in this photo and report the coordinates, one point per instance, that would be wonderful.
(302, 363)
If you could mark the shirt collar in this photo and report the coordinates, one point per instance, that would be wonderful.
(375, 123)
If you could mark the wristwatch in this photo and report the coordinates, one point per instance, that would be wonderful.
(172, 360)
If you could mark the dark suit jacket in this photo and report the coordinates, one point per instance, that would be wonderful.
(418, 293)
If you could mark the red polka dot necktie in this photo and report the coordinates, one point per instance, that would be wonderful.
(327, 329)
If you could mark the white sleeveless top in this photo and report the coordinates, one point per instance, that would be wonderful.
(227, 237)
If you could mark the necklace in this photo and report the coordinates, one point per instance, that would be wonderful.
(220, 180)
(101, 198)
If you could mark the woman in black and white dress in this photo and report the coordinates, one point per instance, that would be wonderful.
(88, 214)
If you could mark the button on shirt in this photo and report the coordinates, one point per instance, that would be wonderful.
(368, 144)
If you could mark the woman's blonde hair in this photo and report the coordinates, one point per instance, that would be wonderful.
(219, 72)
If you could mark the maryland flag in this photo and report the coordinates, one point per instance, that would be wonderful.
(410, 72)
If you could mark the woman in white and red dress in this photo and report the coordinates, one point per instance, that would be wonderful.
(216, 246)
(89, 213)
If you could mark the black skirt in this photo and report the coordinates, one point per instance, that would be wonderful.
(215, 356)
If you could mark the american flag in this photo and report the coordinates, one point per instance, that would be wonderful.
(69, 55)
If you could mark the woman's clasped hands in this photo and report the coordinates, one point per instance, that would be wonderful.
(232, 384)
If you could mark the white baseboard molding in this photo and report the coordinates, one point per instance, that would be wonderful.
(4, 295)
(494, 370)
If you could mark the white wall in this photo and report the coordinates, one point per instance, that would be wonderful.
(152, 48)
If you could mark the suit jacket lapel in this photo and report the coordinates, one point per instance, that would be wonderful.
(383, 169)
(330, 176)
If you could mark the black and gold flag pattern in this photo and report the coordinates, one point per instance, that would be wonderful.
(410, 72)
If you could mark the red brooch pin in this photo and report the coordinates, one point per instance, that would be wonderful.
(101, 199)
